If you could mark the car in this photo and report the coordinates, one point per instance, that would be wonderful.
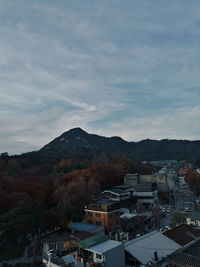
(168, 210)
(163, 209)
(187, 210)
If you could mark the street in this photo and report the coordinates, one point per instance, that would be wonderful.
(185, 203)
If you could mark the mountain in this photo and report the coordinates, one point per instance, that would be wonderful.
(77, 141)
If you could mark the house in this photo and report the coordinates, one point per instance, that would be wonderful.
(116, 194)
(146, 194)
(103, 212)
(188, 256)
(60, 261)
(183, 234)
(63, 241)
(150, 248)
(101, 250)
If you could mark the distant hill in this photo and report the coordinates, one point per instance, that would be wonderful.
(77, 141)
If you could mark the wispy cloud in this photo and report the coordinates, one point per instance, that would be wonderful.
(128, 68)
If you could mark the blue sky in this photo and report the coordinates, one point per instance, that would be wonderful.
(128, 68)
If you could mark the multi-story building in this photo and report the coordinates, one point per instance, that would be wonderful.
(116, 194)
(146, 194)
(103, 212)
(131, 179)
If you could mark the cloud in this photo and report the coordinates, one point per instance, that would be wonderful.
(128, 68)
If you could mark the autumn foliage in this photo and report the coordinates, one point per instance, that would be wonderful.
(38, 195)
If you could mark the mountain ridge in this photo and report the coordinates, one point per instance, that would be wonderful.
(76, 140)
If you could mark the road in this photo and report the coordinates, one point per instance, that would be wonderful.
(184, 199)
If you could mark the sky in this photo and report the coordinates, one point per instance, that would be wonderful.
(128, 68)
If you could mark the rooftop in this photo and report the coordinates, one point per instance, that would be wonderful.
(102, 202)
(93, 241)
(187, 256)
(105, 246)
(143, 248)
(64, 237)
(117, 191)
(85, 227)
(183, 234)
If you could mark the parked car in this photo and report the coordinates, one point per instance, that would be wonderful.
(168, 210)
(163, 209)
(187, 210)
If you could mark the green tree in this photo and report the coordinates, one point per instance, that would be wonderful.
(178, 218)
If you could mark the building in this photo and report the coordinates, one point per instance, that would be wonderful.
(147, 178)
(59, 261)
(188, 256)
(131, 179)
(146, 194)
(63, 242)
(183, 234)
(105, 213)
(150, 248)
(116, 194)
(102, 251)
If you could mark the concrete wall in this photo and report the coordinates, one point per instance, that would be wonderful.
(115, 257)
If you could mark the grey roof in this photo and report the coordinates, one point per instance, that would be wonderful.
(93, 241)
(143, 248)
(105, 246)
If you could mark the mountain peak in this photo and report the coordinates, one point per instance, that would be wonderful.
(75, 131)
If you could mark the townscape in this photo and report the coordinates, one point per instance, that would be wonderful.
(162, 228)
(149, 220)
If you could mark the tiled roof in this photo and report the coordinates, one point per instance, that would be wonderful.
(187, 256)
(182, 259)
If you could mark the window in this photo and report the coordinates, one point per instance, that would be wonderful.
(60, 246)
(52, 246)
(98, 256)
(98, 223)
(89, 213)
(98, 215)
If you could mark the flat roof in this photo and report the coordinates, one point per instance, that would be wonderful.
(105, 246)
(86, 227)
(93, 240)
(143, 248)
